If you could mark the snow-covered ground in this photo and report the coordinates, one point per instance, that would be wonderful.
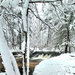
(60, 65)
(2, 73)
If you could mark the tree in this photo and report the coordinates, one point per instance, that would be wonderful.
(59, 17)
(12, 19)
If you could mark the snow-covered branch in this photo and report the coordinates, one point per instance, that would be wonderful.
(40, 18)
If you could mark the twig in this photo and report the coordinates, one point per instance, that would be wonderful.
(39, 18)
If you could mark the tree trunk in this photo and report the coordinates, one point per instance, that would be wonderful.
(28, 42)
(25, 33)
(68, 32)
(24, 18)
(7, 57)
(67, 48)
(49, 42)
(20, 39)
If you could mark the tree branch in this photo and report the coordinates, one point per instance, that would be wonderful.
(56, 12)
(39, 18)
(41, 1)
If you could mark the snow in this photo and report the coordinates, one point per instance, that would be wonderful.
(60, 65)
(9, 61)
(23, 46)
(2, 73)
(24, 11)
(16, 32)
(6, 3)
(42, 57)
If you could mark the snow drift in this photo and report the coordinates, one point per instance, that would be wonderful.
(60, 65)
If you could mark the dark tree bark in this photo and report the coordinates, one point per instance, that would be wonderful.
(68, 40)
(12, 36)
(25, 60)
(20, 38)
(25, 33)
(67, 47)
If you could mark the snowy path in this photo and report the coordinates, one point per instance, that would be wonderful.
(61, 65)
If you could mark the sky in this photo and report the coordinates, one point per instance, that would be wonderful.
(39, 7)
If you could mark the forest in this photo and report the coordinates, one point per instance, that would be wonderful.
(35, 34)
